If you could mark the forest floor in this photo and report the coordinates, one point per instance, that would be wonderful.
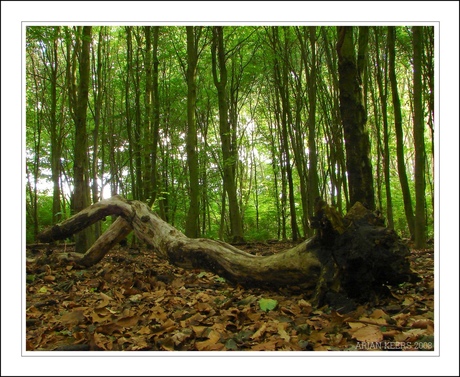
(132, 301)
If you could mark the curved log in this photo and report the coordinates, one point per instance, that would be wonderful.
(355, 256)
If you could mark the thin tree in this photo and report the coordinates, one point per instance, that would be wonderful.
(398, 131)
(220, 81)
(419, 140)
(284, 119)
(98, 89)
(155, 116)
(313, 190)
(81, 194)
(382, 82)
(192, 225)
(128, 112)
(334, 131)
(55, 134)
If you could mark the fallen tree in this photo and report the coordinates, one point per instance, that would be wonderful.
(351, 258)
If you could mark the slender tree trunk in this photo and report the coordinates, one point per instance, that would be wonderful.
(81, 197)
(429, 81)
(98, 95)
(281, 73)
(313, 190)
(148, 119)
(220, 81)
(353, 112)
(192, 225)
(383, 93)
(336, 132)
(280, 229)
(56, 142)
(278, 148)
(138, 142)
(298, 132)
(420, 199)
(37, 131)
(129, 122)
(156, 117)
(399, 133)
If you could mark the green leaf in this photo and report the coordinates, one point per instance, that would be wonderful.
(220, 279)
(231, 345)
(267, 304)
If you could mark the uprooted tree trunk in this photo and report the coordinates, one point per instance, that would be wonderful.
(353, 257)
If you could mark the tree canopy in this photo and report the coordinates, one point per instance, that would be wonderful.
(231, 132)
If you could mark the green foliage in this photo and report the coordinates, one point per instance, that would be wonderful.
(125, 135)
(267, 304)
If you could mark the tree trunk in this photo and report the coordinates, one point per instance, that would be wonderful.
(398, 131)
(353, 256)
(81, 196)
(229, 160)
(129, 126)
(192, 225)
(156, 117)
(281, 73)
(55, 133)
(383, 93)
(312, 92)
(98, 95)
(352, 109)
(419, 140)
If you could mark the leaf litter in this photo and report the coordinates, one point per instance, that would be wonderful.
(133, 301)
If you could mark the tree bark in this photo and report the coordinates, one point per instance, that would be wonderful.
(81, 194)
(398, 131)
(354, 116)
(419, 140)
(55, 133)
(156, 117)
(354, 256)
(225, 130)
(192, 224)
(383, 93)
(312, 154)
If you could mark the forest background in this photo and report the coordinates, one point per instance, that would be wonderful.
(231, 132)
(450, 149)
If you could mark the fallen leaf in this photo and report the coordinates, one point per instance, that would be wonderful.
(282, 331)
(268, 346)
(422, 324)
(180, 337)
(408, 301)
(145, 330)
(368, 333)
(105, 300)
(378, 313)
(109, 329)
(206, 345)
(230, 344)
(73, 318)
(101, 341)
(128, 321)
(259, 332)
(267, 304)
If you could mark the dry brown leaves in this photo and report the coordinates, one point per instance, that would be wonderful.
(132, 301)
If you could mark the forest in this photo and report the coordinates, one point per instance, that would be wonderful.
(229, 132)
(241, 135)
